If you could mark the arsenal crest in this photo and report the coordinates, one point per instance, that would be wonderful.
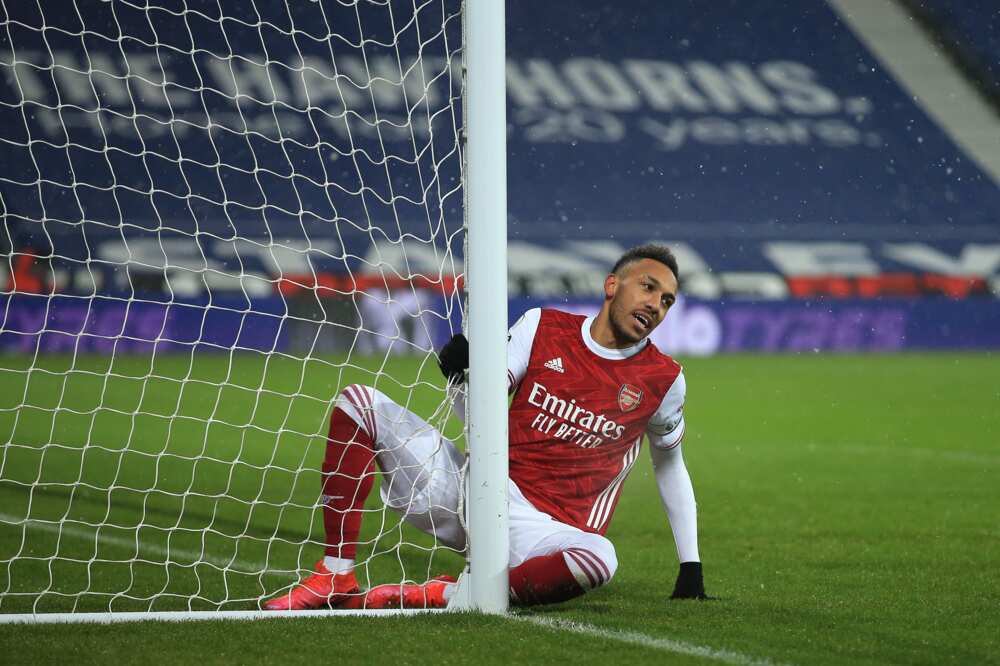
(629, 397)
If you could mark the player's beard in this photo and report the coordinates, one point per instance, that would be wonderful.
(617, 316)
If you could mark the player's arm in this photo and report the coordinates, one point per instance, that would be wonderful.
(520, 338)
(453, 359)
(665, 432)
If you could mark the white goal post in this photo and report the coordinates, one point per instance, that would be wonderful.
(486, 191)
(217, 217)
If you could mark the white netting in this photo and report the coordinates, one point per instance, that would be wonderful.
(216, 216)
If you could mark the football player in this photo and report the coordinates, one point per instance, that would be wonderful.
(586, 390)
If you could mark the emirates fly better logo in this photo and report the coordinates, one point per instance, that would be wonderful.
(629, 397)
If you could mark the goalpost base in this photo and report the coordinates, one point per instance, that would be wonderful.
(197, 616)
(460, 601)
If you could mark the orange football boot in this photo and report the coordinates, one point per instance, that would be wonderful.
(317, 591)
(409, 595)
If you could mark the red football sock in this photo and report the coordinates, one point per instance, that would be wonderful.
(348, 475)
(543, 580)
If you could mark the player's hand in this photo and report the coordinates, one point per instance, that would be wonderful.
(690, 584)
(453, 359)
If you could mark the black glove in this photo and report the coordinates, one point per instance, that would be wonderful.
(690, 584)
(453, 359)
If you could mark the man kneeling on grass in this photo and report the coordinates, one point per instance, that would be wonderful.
(586, 390)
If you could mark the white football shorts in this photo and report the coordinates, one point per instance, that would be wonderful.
(424, 480)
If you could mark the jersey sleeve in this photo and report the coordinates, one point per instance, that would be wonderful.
(677, 495)
(666, 427)
(520, 338)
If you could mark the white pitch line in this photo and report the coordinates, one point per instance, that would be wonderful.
(172, 554)
(642, 640)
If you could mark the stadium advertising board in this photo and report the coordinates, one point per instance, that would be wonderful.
(694, 327)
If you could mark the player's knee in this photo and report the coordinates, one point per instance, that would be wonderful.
(605, 550)
(358, 402)
(593, 562)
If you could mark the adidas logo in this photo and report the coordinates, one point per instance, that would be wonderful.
(555, 364)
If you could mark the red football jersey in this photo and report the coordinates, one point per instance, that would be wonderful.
(577, 420)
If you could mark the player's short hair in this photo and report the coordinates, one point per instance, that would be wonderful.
(660, 253)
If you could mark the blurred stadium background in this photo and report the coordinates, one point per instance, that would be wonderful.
(827, 173)
(820, 199)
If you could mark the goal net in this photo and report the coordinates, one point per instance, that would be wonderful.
(217, 216)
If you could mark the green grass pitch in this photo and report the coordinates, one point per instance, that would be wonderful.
(849, 513)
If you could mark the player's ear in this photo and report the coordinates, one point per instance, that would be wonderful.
(610, 285)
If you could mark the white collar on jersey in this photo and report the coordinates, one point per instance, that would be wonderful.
(606, 352)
